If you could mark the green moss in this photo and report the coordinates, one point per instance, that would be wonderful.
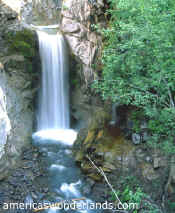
(22, 42)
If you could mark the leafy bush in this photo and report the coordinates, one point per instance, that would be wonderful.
(137, 197)
(139, 64)
(129, 196)
(171, 206)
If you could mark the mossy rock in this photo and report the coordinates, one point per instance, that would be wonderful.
(99, 119)
(22, 42)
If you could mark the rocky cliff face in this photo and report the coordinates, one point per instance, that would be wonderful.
(78, 18)
(38, 12)
(16, 96)
(77, 21)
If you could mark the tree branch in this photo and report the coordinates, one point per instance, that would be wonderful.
(100, 170)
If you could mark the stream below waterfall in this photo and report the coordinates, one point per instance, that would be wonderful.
(65, 180)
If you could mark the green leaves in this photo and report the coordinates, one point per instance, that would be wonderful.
(139, 62)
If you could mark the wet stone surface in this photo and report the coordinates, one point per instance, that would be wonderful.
(23, 183)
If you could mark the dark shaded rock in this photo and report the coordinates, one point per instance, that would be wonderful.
(21, 183)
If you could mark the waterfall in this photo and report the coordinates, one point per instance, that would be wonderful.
(53, 117)
(54, 95)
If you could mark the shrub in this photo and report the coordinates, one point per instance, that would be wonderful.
(138, 199)
(139, 64)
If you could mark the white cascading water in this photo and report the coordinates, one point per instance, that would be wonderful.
(54, 97)
(53, 119)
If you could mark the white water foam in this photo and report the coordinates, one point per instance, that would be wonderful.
(66, 136)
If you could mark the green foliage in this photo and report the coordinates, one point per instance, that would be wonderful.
(22, 42)
(128, 195)
(139, 64)
(171, 205)
(65, 7)
(137, 197)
